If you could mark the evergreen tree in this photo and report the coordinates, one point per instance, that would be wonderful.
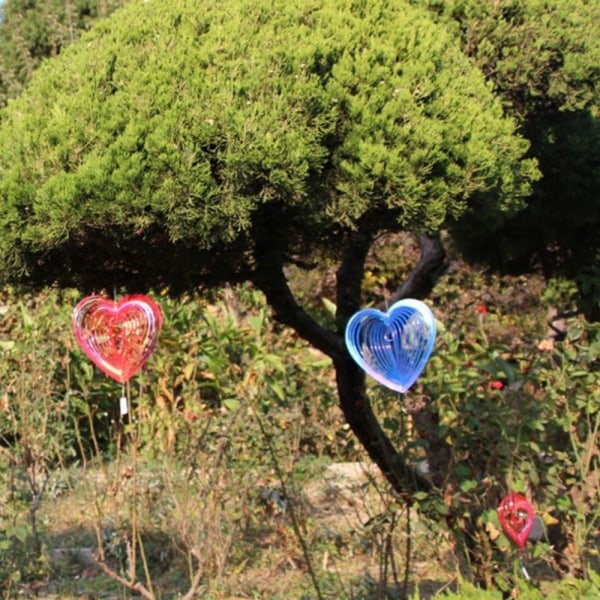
(543, 60)
(177, 147)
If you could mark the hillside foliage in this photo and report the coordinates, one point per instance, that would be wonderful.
(542, 60)
(34, 30)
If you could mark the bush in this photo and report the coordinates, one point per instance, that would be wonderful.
(231, 398)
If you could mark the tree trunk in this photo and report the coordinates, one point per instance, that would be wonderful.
(364, 424)
(269, 277)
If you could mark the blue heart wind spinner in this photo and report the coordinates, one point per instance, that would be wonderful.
(392, 347)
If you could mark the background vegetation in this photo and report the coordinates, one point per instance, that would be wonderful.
(213, 481)
(33, 31)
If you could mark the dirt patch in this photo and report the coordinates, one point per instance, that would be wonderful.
(347, 496)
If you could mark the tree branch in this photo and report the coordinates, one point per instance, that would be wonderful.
(424, 276)
(359, 415)
(135, 586)
(349, 278)
(270, 278)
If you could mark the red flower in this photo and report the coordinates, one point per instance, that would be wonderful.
(481, 309)
(497, 385)
(190, 416)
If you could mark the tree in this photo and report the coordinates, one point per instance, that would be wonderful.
(32, 30)
(176, 147)
(542, 59)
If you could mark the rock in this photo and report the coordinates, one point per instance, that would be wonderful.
(350, 474)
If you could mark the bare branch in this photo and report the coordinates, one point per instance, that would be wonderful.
(197, 578)
(136, 586)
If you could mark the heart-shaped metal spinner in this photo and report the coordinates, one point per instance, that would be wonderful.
(516, 517)
(118, 337)
(392, 347)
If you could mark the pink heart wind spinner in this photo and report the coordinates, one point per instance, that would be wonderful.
(118, 337)
(516, 517)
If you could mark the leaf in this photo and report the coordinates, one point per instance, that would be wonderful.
(488, 367)
(27, 318)
(492, 531)
(468, 485)
(508, 369)
(274, 360)
(330, 306)
(18, 532)
(322, 363)
(256, 322)
(231, 403)
(276, 387)
(188, 371)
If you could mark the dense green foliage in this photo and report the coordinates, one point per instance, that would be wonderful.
(32, 30)
(541, 56)
(543, 60)
(171, 132)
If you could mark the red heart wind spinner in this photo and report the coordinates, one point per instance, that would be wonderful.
(516, 517)
(117, 336)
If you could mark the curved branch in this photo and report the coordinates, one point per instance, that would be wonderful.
(359, 415)
(424, 276)
(135, 586)
(270, 278)
(353, 397)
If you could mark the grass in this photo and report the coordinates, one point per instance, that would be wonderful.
(344, 519)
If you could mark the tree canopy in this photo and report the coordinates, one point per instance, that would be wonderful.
(543, 60)
(172, 146)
